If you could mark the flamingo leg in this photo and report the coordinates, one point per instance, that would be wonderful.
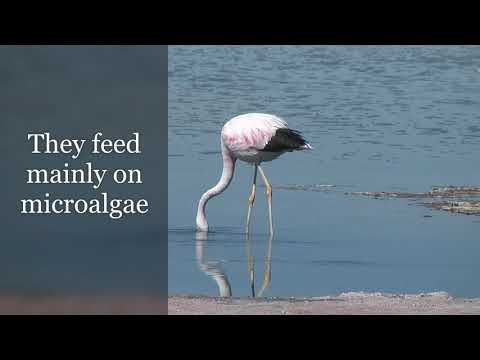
(267, 277)
(251, 273)
(268, 191)
(251, 199)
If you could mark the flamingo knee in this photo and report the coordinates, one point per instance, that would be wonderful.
(269, 191)
(251, 198)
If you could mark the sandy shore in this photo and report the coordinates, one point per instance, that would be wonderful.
(348, 303)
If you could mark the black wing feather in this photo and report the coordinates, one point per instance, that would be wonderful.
(285, 140)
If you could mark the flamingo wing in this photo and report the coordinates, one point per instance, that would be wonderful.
(285, 140)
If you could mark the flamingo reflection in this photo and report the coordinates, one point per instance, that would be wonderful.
(214, 270)
(211, 268)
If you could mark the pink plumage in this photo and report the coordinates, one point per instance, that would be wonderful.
(246, 137)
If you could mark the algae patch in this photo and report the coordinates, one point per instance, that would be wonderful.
(447, 198)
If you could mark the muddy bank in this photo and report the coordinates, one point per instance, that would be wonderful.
(435, 192)
(471, 207)
(348, 303)
(456, 199)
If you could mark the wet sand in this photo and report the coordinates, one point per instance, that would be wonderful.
(345, 304)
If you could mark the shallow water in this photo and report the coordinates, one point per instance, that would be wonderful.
(381, 118)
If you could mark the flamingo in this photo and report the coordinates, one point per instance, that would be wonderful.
(253, 138)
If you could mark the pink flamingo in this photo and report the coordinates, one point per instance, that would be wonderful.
(253, 138)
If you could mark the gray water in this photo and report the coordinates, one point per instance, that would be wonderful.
(381, 118)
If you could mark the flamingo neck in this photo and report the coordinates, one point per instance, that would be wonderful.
(225, 179)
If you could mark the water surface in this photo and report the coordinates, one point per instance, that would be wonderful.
(381, 118)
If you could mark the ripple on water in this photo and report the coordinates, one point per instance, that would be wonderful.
(432, 131)
(313, 187)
